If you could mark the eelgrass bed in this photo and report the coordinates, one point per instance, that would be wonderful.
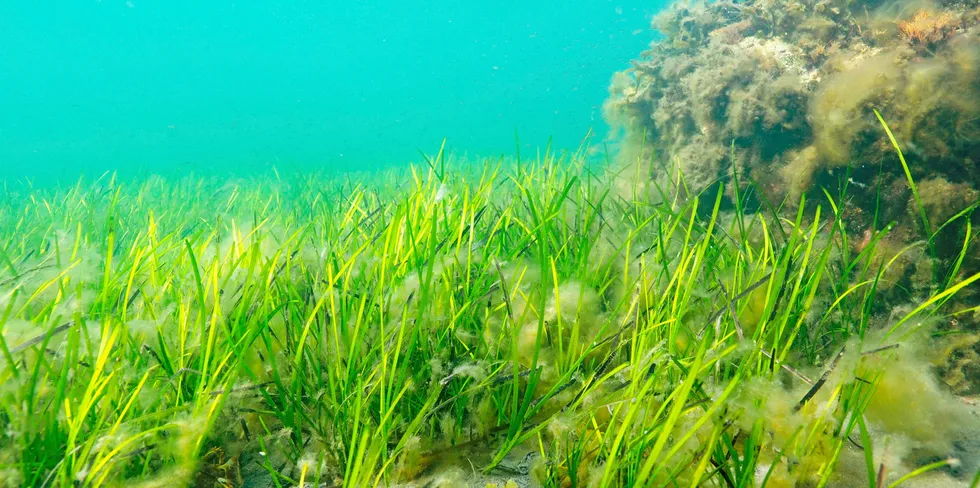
(499, 323)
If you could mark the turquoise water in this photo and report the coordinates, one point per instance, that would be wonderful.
(88, 86)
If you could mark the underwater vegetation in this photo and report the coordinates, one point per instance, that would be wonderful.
(497, 323)
(786, 98)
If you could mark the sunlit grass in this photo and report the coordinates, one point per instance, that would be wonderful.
(353, 330)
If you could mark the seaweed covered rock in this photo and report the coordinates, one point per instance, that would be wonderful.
(783, 91)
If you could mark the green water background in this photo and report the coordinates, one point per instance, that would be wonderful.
(175, 86)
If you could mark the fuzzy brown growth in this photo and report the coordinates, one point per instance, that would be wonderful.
(733, 33)
(926, 27)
